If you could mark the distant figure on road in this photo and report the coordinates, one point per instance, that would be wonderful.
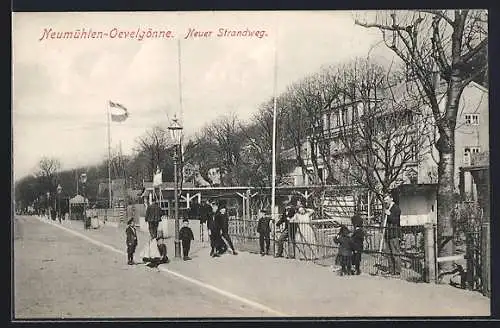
(186, 235)
(393, 234)
(153, 218)
(357, 240)
(345, 250)
(131, 240)
(264, 231)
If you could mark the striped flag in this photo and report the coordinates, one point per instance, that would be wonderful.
(119, 113)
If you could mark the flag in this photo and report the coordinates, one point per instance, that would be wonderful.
(119, 113)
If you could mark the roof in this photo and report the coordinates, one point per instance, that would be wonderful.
(78, 199)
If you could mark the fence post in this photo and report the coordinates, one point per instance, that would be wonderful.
(430, 254)
(469, 256)
(485, 259)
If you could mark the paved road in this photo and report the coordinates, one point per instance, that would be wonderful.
(84, 274)
(58, 274)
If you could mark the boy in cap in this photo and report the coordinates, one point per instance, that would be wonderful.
(131, 240)
(357, 239)
(186, 235)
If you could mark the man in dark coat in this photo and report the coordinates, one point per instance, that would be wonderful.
(214, 232)
(222, 219)
(205, 213)
(393, 234)
(153, 218)
(264, 231)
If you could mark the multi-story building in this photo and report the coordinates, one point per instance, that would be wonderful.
(420, 157)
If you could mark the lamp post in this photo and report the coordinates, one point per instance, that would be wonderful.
(59, 190)
(48, 205)
(83, 180)
(176, 130)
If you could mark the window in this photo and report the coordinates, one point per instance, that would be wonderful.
(468, 151)
(472, 119)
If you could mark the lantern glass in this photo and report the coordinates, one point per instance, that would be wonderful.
(175, 130)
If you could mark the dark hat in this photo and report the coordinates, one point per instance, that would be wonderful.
(131, 220)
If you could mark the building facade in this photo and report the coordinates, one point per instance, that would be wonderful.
(420, 158)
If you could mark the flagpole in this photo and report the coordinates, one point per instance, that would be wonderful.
(273, 180)
(109, 157)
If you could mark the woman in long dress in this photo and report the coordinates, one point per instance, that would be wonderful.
(305, 238)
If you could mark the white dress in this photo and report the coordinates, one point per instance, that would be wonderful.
(305, 237)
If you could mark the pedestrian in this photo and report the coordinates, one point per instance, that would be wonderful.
(213, 231)
(186, 235)
(288, 232)
(161, 239)
(264, 231)
(153, 218)
(131, 234)
(205, 213)
(222, 218)
(345, 250)
(357, 240)
(393, 234)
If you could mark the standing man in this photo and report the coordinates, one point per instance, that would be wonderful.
(393, 234)
(153, 218)
(205, 214)
(264, 231)
(222, 218)
(213, 230)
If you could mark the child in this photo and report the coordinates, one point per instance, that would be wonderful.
(186, 235)
(264, 231)
(345, 250)
(131, 240)
(357, 240)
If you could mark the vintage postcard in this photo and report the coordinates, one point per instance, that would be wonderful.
(250, 164)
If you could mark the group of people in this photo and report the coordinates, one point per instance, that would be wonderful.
(155, 252)
(351, 243)
(215, 215)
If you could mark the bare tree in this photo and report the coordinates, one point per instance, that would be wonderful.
(453, 45)
(154, 144)
(303, 108)
(226, 134)
(381, 134)
(47, 169)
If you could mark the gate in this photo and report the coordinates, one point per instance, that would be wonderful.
(472, 239)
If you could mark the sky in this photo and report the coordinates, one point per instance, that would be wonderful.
(61, 87)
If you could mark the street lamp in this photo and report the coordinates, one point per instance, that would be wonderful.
(59, 190)
(176, 130)
(83, 180)
(48, 205)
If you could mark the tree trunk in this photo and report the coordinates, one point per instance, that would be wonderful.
(446, 189)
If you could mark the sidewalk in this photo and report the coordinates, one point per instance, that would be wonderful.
(300, 288)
